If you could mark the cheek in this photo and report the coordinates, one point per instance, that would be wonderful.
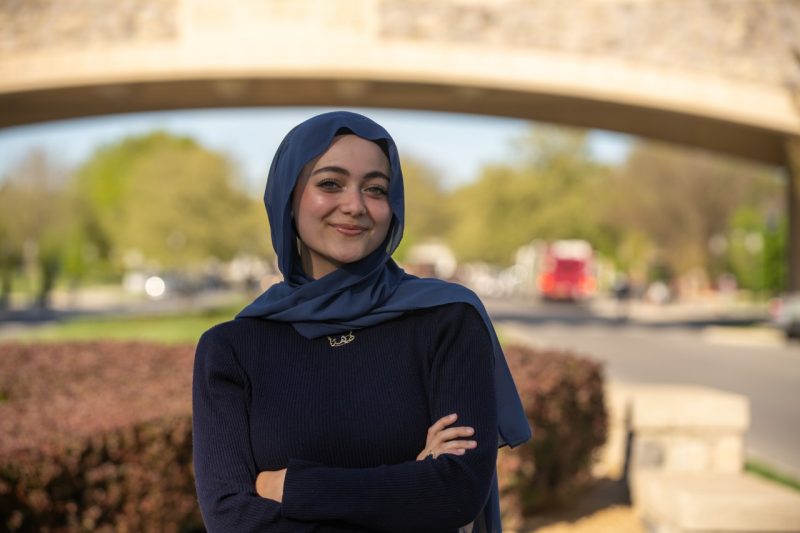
(314, 205)
(306, 217)
(382, 214)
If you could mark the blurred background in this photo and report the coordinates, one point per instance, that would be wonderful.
(618, 178)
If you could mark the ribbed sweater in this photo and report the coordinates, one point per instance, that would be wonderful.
(346, 421)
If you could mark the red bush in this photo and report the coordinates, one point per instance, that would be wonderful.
(96, 436)
(563, 398)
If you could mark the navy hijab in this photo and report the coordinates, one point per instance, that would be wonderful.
(373, 289)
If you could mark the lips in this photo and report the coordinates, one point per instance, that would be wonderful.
(350, 230)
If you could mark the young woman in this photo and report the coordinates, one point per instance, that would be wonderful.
(329, 403)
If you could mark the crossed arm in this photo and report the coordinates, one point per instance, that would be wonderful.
(440, 440)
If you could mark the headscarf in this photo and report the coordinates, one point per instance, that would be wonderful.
(369, 291)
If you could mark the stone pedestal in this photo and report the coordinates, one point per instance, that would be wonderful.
(688, 429)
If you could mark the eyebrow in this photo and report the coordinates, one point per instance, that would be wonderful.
(344, 171)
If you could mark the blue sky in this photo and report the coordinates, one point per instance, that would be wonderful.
(454, 144)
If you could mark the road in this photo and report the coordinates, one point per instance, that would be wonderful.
(681, 352)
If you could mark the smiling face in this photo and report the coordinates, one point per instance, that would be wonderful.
(341, 206)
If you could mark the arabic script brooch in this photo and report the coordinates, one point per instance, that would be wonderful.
(341, 340)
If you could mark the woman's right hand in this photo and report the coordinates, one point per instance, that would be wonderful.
(441, 440)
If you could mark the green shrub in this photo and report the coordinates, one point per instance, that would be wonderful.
(96, 437)
(563, 399)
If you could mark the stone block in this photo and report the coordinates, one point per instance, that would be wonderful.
(727, 453)
(664, 407)
(688, 429)
(692, 452)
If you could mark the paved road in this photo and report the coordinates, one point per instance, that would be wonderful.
(682, 352)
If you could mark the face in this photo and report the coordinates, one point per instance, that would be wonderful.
(341, 205)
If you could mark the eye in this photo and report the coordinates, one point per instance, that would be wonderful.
(328, 185)
(378, 191)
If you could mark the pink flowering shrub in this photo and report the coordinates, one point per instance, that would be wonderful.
(563, 398)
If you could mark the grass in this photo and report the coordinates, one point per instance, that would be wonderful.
(177, 328)
(767, 472)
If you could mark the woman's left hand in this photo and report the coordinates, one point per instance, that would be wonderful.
(269, 484)
(442, 439)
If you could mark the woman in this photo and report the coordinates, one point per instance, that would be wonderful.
(312, 406)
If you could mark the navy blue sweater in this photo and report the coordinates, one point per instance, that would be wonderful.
(347, 422)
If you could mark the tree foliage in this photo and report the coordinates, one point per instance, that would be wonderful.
(37, 225)
(165, 202)
(694, 208)
(667, 211)
(168, 201)
(551, 191)
(426, 211)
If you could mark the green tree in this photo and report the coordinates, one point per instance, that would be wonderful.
(170, 202)
(426, 211)
(37, 222)
(10, 249)
(686, 203)
(553, 190)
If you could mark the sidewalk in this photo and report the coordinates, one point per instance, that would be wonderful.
(706, 311)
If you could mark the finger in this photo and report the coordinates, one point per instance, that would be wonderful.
(454, 448)
(460, 444)
(442, 423)
(448, 435)
(457, 451)
(453, 433)
(455, 445)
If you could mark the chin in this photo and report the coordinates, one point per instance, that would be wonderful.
(350, 256)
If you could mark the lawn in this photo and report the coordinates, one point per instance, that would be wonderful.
(177, 328)
(765, 471)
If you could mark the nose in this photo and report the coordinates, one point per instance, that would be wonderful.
(353, 202)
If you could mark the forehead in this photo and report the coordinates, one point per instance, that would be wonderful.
(353, 149)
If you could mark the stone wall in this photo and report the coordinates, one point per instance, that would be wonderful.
(756, 40)
(29, 25)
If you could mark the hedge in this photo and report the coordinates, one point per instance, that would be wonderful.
(96, 436)
(562, 395)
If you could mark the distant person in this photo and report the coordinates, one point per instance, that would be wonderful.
(622, 295)
(350, 396)
(727, 286)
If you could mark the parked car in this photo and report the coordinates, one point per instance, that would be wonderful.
(785, 311)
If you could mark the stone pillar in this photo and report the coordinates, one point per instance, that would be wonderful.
(793, 208)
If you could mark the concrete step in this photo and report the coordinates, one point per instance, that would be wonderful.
(706, 502)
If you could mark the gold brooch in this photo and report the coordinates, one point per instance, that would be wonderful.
(335, 342)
